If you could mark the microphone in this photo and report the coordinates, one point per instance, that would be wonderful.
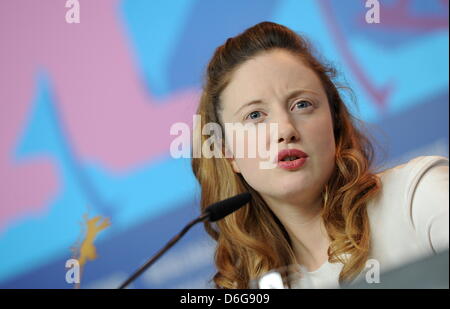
(223, 208)
(212, 213)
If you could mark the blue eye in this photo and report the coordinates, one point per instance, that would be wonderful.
(301, 103)
(254, 114)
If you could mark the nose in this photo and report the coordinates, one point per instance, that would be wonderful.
(287, 130)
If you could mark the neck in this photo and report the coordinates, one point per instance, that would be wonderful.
(304, 224)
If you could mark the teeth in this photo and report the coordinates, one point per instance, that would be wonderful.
(290, 158)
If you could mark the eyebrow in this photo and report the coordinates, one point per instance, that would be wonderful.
(289, 97)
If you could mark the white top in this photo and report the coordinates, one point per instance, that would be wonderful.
(409, 219)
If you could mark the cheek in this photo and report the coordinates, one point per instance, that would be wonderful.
(321, 133)
(248, 144)
(324, 146)
(248, 166)
(326, 141)
(257, 178)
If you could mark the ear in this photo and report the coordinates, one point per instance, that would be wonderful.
(230, 157)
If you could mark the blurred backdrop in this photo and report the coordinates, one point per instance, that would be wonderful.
(86, 109)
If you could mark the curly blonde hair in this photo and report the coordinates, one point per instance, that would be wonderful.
(252, 241)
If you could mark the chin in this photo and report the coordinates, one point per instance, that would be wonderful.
(288, 193)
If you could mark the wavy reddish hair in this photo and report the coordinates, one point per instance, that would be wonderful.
(252, 240)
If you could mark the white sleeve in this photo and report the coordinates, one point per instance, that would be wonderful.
(430, 206)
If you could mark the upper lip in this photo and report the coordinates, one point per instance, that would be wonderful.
(290, 152)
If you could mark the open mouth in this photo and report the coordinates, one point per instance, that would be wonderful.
(287, 155)
(290, 158)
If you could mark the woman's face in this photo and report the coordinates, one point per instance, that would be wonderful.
(289, 94)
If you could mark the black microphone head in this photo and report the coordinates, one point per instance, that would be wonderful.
(223, 208)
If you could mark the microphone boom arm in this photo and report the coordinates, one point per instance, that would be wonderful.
(172, 242)
(212, 213)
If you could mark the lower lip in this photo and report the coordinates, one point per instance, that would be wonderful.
(292, 165)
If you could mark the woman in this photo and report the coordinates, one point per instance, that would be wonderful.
(327, 211)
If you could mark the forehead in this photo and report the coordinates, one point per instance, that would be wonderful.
(271, 73)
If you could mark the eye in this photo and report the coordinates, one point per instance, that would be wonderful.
(254, 115)
(302, 104)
